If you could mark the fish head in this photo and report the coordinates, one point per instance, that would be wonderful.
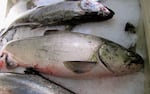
(7, 63)
(91, 6)
(119, 60)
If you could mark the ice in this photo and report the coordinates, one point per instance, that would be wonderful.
(125, 11)
(129, 84)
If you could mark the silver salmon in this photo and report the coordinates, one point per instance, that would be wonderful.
(70, 54)
(64, 13)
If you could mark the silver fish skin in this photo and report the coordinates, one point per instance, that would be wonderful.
(70, 54)
(67, 12)
(28, 84)
(63, 13)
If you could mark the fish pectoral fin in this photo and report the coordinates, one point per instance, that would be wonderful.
(80, 66)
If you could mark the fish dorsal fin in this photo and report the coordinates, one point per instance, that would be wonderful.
(80, 66)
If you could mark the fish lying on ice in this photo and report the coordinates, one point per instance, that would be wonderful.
(70, 54)
(67, 12)
(28, 84)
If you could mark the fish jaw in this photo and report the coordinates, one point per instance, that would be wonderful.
(120, 60)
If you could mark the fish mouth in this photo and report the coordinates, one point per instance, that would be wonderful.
(138, 60)
(135, 64)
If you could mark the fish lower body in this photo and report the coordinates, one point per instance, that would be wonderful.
(29, 84)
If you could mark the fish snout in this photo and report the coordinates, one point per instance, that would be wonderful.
(110, 13)
(134, 63)
(139, 60)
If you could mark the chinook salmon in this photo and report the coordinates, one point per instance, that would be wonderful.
(64, 13)
(70, 54)
(28, 84)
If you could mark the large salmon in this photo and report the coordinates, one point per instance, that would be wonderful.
(70, 54)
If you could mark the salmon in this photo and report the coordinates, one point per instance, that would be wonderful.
(70, 54)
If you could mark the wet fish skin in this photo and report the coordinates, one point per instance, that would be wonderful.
(11, 83)
(70, 54)
(64, 13)
(68, 12)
